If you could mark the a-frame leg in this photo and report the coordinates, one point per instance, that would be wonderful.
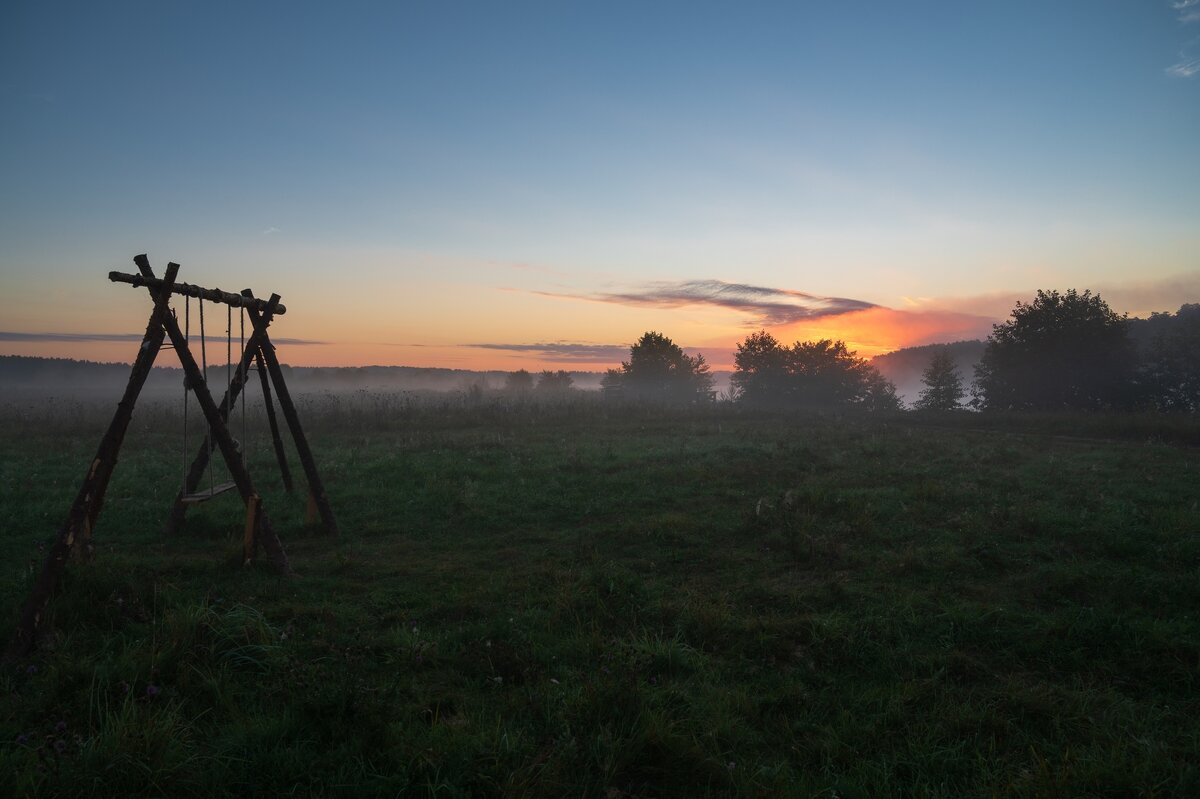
(75, 533)
(276, 440)
(315, 487)
(216, 425)
(199, 463)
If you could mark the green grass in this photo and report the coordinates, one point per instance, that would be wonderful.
(578, 600)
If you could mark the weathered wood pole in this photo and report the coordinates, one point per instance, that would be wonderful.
(315, 486)
(276, 440)
(85, 510)
(249, 541)
(200, 292)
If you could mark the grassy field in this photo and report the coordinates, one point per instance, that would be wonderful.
(579, 601)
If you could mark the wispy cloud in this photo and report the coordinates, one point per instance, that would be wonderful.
(564, 352)
(1189, 57)
(765, 306)
(270, 231)
(8, 335)
(1186, 68)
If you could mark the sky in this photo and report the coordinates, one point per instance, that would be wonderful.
(534, 185)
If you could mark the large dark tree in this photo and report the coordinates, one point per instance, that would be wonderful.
(761, 375)
(1061, 351)
(815, 374)
(943, 385)
(659, 369)
(826, 373)
(1170, 371)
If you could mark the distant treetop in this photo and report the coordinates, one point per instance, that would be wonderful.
(659, 369)
(1066, 351)
(813, 374)
(943, 385)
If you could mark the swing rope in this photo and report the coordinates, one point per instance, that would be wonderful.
(228, 353)
(213, 488)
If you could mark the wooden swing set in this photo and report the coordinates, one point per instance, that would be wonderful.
(74, 539)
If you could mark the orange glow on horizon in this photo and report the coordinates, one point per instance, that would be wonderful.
(869, 332)
(875, 331)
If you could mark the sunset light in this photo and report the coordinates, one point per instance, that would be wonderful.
(434, 181)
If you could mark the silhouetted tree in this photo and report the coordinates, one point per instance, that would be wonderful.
(943, 385)
(518, 382)
(658, 368)
(1170, 371)
(826, 373)
(821, 373)
(613, 383)
(559, 381)
(761, 370)
(1061, 351)
(881, 393)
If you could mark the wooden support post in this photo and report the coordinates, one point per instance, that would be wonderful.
(195, 472)
(249, 540)
(315, 486)
(276, 440)
(81, 520)
(220, 432)
(311, 514)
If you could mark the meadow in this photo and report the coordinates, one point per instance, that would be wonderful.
(580, 599)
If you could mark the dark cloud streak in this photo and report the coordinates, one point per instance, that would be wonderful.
(564, 352)
(767, 306)
(83, 338)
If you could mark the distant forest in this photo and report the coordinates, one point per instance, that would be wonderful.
(28, 374)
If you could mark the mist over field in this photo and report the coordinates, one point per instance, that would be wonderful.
(27, 378)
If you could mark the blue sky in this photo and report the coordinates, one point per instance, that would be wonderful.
(490, 173)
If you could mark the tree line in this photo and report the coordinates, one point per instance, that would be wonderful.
(1071, 351)
(1062, 351)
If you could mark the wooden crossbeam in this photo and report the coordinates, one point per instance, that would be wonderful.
(189, 290)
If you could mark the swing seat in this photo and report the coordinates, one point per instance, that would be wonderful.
(205, 496)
